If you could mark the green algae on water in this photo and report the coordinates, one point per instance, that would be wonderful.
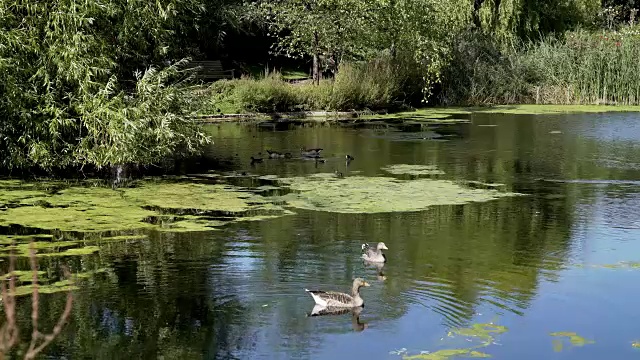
(95, 209)
(485, 332)
(449, 354)
(402, 169)
(574, 339)
(359, 194)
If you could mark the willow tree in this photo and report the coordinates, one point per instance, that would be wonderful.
(81, 83)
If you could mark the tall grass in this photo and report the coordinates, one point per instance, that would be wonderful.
(382, 83)
(588, 68)
(581, 68)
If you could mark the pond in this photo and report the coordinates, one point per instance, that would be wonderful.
(510, 236)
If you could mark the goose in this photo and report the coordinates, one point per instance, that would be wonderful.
(349, 158)
(374, 255)
(338, 299)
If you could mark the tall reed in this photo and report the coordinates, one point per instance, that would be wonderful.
(580, 68)
(588, 68)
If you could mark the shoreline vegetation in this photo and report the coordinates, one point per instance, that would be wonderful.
(81, 91)
(431, 113)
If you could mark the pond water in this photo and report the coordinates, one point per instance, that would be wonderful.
(543, 265)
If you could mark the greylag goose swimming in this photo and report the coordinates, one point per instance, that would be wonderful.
(338, 299)
(374, 255)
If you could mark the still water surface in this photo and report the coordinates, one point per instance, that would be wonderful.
(548, 262)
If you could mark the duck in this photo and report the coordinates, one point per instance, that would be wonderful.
(374, 255)
(255, 160)
(313, 153)
(278, 155)
(338, 299)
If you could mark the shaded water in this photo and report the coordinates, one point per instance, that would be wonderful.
(548, 262)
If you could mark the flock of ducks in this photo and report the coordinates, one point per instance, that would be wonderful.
(339, 300)
(305, 153)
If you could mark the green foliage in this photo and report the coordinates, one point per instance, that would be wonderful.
(582, 68)
(338, 27)
(379, 83)
(70, 95)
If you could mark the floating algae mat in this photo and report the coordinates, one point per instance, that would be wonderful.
(359, 194)
(574, 340)
(406, 169)
(484, 333)
(95, 209)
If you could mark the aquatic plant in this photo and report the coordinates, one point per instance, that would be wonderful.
(152, 205)
(574, 339)
(360, 194)
(406, 169)
(486, 332)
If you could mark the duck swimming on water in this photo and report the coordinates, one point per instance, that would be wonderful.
(313, 153)
(255, 160)
(338, 299)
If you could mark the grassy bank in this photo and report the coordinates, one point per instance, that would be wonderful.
(580, 68)
(383, 83)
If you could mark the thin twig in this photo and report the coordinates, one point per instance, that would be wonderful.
(36, 334)
(35, 300)
(46, 339)
(9, 330)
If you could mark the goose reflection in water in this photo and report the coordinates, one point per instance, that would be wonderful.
(378, 266)
(319, 310)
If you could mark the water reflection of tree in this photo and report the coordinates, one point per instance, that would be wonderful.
(150, 305)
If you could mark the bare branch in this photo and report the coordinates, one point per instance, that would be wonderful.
(36, 335)
(46, 339)
(9, 330)
(35, 299)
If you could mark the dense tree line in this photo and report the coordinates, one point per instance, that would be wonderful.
(98, 84)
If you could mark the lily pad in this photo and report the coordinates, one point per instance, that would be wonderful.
(400, 169)
(359, 194)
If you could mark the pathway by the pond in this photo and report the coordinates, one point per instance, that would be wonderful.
(513, 236)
